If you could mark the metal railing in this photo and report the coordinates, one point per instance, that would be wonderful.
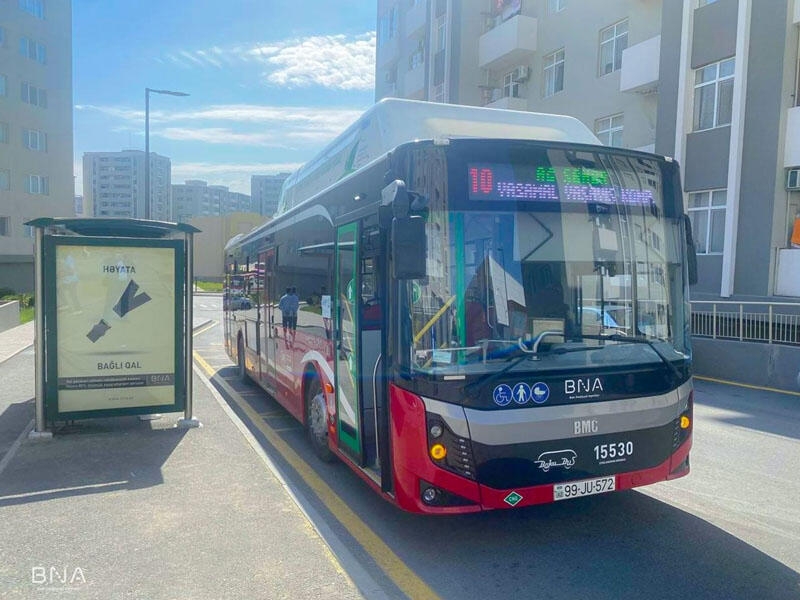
(765, 322)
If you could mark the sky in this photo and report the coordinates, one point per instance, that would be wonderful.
(270, 81)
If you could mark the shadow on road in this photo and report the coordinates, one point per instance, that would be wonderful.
(87, 457)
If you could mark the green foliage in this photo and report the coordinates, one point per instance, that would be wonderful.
(209, 286)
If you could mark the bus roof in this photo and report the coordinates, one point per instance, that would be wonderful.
(393, 121)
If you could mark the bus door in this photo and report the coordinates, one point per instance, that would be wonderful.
(347, 344)
(267, 304)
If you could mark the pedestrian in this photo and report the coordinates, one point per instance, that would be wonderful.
(284, 305)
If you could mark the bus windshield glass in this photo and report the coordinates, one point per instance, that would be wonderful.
(570, 258)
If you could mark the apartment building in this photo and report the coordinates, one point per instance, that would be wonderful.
(597, 61)
(265, 190)
(113, 185)
(196, 198)
(35, 127)
(729, 111)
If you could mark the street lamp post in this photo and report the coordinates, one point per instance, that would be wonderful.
(147, 92)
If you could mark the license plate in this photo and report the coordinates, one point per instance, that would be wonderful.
(585, 487)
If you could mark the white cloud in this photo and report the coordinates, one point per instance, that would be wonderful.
(334, 61)
(246, 124)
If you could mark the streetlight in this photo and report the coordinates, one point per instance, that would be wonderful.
(147, 92)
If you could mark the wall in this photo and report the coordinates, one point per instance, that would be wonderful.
(9, 315)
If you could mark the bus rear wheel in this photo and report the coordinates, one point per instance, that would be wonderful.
(317, 420)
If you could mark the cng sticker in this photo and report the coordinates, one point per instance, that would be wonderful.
(513, 499)
(416, 293)
(351, 291)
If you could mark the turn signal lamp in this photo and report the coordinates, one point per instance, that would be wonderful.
(438, 452)
(685, 422)
(328, 388)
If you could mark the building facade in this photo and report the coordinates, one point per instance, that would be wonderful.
(533, 55)
(35, 128)
(215, 232)
(729, 111)
(196, 198)
(265, 190)
(113, 185)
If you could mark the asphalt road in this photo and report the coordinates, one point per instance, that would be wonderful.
(731, 529)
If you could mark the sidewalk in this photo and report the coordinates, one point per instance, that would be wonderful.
(123, 508)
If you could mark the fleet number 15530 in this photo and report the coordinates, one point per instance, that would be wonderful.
(613, 450)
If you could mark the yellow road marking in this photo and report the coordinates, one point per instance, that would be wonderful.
(391, 564)
(746, 385)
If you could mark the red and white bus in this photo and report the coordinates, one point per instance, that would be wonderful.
(492, 315)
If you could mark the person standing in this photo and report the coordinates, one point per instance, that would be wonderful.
(284, 305)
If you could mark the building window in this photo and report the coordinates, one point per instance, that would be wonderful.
(707, 214)
(388, 26)
(613, 40)
(713, 95)
(32, 49)
(33, 7)
(37, 184)
(33, 139)
(5, 226)
(554, 6)
(3, 133)
(701, 3)
(554, 73)
(34, 96)
(441, 33)
(609, 130)
(5, 179)
(511, 85)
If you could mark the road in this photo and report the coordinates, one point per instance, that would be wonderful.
(729, 530)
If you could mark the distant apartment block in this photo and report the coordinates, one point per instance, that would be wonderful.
(196, 198)
(265, 190)
(113, 185)
(35, 127)
(596, 61)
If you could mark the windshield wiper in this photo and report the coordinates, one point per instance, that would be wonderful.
(489, 377)
(616, 337)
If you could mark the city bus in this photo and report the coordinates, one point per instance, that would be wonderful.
(493, 308)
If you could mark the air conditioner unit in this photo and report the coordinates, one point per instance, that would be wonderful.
(521, 73)
(793, 179)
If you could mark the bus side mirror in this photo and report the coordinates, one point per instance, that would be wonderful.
(409, 248)
(691, 251)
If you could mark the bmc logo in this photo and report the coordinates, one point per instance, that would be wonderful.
(585, 385)
(586, 426)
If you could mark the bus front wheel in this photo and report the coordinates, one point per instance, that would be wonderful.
(317, 420)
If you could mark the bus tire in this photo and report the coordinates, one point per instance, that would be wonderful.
(242, 369)
(317, 420)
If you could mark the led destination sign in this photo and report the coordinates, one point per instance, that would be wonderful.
(503, 181)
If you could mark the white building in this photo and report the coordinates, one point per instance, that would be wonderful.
(35, 128)
(265, 190)
(196, 198)
(596, 61)
(113, 185)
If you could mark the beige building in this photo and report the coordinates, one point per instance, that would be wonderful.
(209, 244)
(35, 128)
(597, 61)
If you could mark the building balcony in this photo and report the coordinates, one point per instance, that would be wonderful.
(389, 51)
(639, 73)
(791, 154)
(511, 43)
(416, 17)
(493, 98)
(414, 82)
(787, 278)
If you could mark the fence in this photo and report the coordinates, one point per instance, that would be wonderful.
(766, 322)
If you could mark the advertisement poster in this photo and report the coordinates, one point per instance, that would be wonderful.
(116, 329)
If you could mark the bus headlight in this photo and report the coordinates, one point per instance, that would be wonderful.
(448, 450)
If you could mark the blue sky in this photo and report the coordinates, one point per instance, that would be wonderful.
(270, 81)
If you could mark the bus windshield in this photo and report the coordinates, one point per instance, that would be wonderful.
(568, 260)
